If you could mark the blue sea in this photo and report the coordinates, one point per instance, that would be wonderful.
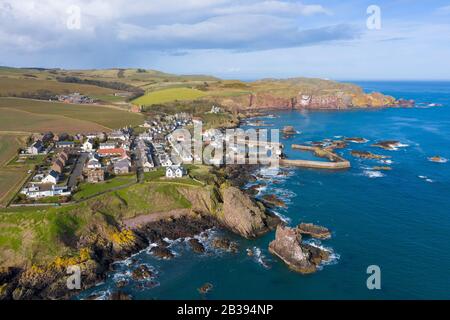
(398, 220)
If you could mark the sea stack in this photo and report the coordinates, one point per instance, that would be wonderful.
(300, 258)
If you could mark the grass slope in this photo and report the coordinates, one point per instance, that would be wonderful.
(39, 235)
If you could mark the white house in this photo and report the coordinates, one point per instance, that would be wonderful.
(52, 178)
(36, 148)
(93, 163)
(165, 160)
(175, 172)
(36, 192)
(88, 145)
(107, 145)
(148, 164)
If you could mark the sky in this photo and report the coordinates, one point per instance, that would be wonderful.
(235, 39)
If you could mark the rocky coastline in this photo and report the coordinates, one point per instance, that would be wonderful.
(345, 99)
(238, 212)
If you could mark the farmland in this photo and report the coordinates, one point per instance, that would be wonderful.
(16, 87)
(39, 116)
(10, 178)
(169, 95)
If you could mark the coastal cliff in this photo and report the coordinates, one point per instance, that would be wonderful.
(339, 100)
(307, 94)
(244, 216)
(116, 231)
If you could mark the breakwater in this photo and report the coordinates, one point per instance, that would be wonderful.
(335, 162)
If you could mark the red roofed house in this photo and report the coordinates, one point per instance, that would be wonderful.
(116, 152)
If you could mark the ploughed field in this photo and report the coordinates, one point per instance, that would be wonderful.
(25, 115)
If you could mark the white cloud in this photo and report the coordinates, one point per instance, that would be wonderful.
(163, 24)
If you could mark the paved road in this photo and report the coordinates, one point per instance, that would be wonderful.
(77, 170)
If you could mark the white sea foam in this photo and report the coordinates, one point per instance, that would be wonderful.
(260, 258)
(397, 146)
(282, 217)
(426, 179)
(334, 257)
(373, 174)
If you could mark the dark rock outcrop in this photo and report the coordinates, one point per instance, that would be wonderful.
(162, 253)
(225, 244)
(141, 273)
(273, 201)
(387, 145)
(244, 216)
(196, 246)
(367, 155)
(206, 288)
(314, 231)
(289, 130)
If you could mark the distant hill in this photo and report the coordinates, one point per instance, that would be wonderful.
(143, 85)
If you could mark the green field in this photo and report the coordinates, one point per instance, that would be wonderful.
(40, 116)
(168, 95)
(87, 190)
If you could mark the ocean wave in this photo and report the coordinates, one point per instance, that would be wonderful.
(282, 217)
(426, 179)
(260, 258)
(397, 146)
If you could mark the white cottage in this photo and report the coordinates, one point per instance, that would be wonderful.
(52, 178)
(175, 172)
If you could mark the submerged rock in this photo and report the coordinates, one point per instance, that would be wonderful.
(162, 253)
(273, 200)
(141, 273)
(367, 155)
(196, 246)
(289, 130)
(206, 288)
(356, 140)
(244, 216)
(382, 168)
(437, 159)
(387, 145)
(225, 244)
(314, 231)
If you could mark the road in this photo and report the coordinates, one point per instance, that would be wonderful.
(77, 170)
